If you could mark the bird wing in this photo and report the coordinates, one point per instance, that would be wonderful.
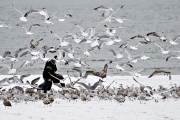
(170, 56)
(56, 35)
(153, 34)
(112, 52)
(37, 42)
(23, 76)
(83, 84)
(6, 53)
(83, 41)
(88, 73)
(34, 81)
(137, 82)
(30, 12)
(33, 25)
(101, 8)
(137, 36)
(122, 45)
(155, 72)
(78, 70)
(177, 37)
(17, 9)
(105, 68)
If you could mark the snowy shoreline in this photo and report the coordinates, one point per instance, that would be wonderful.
(98, 109)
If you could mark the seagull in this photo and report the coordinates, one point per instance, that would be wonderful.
(5, 54)
(163, 50)
(135, 73)
(163, 38)
(2, 24)
(124, 45)
(144, 57)
(78, 62)
(42, 11)
(28, 32)
(107, 10)
(35, 54)
(101, 74)
(146, 38)
(85, 32)
(33, 82)
(132, 59)
(15, 78)
(111, 30)
(111, 16)
(7, 103)
(15, 57)
(135, 47)
(166, 72)
(34, 44)
(173, 56)
(63, 43)
(47, 17)
(12, 70)
(87, 52)
(120, 66)
(23, 17)
(117, 55)
(118, 19)
(93, 87)
(62, 18)
(142, 87)
(173, 42)
(112, 40)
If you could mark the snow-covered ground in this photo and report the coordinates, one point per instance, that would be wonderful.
(95, 109)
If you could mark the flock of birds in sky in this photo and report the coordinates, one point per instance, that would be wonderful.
(65, 55)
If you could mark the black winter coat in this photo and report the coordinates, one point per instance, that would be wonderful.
(49, 70)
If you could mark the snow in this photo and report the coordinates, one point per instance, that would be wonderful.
(98, 109)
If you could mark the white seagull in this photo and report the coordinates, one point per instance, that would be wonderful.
(2, 24)
(163, 50)
(117, 55)
(107, 10)
(28, 32)
(23, 17)
(63, 43)
(163, 38)
(62, 18)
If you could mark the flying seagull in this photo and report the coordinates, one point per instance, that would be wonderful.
(93, 87)
(166, 72)
(23, 17)
(28, 32)
(101, 74)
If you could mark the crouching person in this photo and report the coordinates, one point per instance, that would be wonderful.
(49, 75)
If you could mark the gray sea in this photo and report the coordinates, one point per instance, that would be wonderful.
(144, 16)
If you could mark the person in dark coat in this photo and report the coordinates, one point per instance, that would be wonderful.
(49, 75)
